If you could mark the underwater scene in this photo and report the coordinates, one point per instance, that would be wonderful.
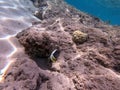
(59, 44)
(106, 10)
(15, 15)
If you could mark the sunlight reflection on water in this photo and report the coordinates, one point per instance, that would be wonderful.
(15, 15)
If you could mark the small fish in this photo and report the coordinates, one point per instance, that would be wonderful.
(54, 55)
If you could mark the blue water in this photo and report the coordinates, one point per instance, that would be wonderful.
(106, 10)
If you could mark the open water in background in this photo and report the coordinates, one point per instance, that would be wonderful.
(106, 10)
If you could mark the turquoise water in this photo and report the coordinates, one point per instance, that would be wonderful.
(106, 10)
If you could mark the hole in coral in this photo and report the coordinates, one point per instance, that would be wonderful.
(43, 63)
(117, 67)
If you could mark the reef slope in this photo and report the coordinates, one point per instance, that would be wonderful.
(93, 64)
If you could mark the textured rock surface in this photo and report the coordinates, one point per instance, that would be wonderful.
(92, 65)
(79, 37)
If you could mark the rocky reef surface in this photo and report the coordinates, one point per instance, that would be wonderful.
(88, 58)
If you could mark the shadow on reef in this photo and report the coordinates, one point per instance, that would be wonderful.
(43, 63)
(45, 48)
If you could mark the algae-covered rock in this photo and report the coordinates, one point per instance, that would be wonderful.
(79, 37)
(37, 43)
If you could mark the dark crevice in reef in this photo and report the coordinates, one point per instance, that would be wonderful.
(42, 48)
(117, 67)
(42, 79)
(38, 85)
(43, 63)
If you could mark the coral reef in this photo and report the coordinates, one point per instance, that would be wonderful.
(84, 64)
(43, 44)
(92, 64)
